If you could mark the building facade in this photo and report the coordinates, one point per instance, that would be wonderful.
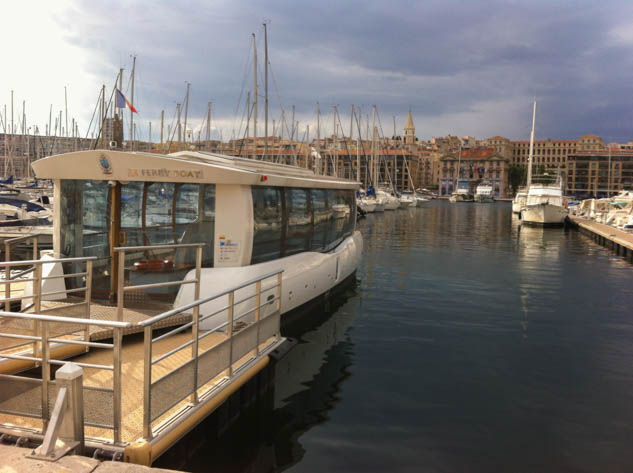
(475, 165)
(599, 173)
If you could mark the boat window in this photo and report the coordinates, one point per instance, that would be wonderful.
(84, 227)
(158, 213)
(151, 213)
(186, 203)
(267, 202)
(131, 213)
(292, 220)
(322, 220)
(299, 221)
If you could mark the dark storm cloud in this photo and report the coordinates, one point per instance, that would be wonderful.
(445, 60)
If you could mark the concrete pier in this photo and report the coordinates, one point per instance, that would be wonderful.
(619, 241)
(15, 460)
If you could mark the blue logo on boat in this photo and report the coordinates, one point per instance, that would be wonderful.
(106, 167)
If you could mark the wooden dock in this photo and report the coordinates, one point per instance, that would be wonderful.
(619, 241)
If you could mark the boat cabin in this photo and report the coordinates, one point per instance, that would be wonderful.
(245, 212)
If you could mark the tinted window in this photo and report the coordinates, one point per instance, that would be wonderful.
(267, 204)
(299, 221)
(290, 220)
(322, 219)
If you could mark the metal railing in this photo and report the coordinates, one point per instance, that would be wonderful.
(122, 288)
(183, 366)
(36, 296)
(44, 359)
(238, 339)
(8, 244)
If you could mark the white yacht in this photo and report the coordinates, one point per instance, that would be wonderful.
(484, 192)
(254, 217)
(462, 193)
(519, 200)
(408, 199)
(390, 201)
(544, 204)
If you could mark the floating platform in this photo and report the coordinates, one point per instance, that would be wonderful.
(619, 241)
(143, 377)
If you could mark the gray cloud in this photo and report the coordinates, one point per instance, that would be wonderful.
(446, 60)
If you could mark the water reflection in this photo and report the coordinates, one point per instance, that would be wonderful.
(470, 344)
(307, 383)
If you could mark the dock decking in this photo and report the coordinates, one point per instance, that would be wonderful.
(619, 241)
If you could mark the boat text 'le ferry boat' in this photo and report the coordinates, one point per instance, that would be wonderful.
(215, 246)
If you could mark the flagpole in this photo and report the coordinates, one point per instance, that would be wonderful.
(132, 102)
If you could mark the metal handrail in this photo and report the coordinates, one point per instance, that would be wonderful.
(159, 247)
(70, 320)
(47, 261)
(178, 310)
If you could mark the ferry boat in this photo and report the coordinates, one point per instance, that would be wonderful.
(484, 192)
(253, 217)
(462, 193)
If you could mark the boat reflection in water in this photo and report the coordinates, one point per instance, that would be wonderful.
(265, 436)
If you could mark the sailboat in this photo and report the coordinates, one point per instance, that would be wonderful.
(544, 201)
(462, 191)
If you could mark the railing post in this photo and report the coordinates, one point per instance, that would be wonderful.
(230, 331)
(37, 305)
(71, 376)
(65, 431)
(87, 298)
(279, 290)
(195, 327)
(35, 247)
(258, 303)
(120, 296)
(7, 276)
(46, 373)
(147, 383)
(278, 334)
(116, 383)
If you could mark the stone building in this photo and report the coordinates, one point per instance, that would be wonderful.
(476, 165)
(599, 173)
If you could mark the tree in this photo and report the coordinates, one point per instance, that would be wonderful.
(517, 176)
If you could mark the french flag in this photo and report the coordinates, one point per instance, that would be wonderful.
(122, 102)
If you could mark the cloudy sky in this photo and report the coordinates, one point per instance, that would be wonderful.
(462, 67)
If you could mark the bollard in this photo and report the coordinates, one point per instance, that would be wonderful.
(65, 431)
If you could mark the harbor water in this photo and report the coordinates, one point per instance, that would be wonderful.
(467, 343)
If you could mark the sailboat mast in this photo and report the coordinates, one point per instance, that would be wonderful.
(265, 91)
(66, 109)
(102, 117)
(208, 126)
(132, 102)
(529, 172)
(254, 98)
(162, 125)
(374, 168)
(186, 110)
(317, 163)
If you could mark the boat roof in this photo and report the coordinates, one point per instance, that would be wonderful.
(185, 166)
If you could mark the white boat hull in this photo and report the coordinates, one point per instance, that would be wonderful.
(306, 276)
(483, 198)
(543, 214)
(366, 206)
